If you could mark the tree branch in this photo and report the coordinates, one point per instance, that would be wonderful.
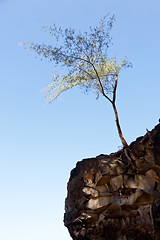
(85, 72)
(115, 88)
(89, 62)
(68, 56)
(99, 80)
(81, 49)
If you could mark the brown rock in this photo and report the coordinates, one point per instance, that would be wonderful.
(107, 199)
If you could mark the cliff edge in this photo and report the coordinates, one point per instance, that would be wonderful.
(110, 197)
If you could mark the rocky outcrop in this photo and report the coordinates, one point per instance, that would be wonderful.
(117, 196)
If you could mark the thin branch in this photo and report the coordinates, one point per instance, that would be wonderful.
(85, 72)
(115, 88)
(78, 58)
(88, 61)
(99, 80)
(81, 50)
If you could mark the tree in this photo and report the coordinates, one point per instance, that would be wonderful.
(85, 57)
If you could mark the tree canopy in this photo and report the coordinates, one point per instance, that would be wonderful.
(85, 62)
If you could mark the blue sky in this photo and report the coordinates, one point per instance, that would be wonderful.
(41, 143)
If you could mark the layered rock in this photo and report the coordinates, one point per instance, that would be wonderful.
(110, 197)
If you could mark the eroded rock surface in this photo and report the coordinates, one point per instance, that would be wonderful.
(110, 198)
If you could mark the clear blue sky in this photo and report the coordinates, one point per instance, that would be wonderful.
(40, 143)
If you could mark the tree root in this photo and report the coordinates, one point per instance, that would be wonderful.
(131, 162)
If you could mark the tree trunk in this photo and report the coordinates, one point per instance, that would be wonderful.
(124, 143)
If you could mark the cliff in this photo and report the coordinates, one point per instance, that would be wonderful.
(117, 196)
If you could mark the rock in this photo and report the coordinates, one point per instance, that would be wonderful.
(100, 202)
(103, 190)
(151, 174)
(107, 199)
(144, 183)
(90, 192)
(116, 182)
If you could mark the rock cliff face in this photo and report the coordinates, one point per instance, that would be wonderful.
(117, 196)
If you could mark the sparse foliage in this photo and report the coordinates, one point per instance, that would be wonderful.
(84, 57)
